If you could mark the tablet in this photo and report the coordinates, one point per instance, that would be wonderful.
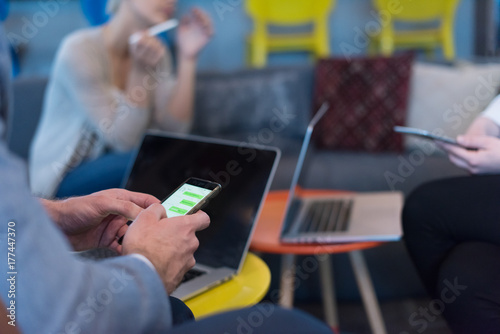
(428, 135)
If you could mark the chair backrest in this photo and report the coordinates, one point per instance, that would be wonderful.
(418, 11)
(4, 9)
(95, 11)
(288, 12)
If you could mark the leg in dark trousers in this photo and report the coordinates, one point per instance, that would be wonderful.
(439, 215)
(262, 319)
(180, 312)
(469, 288)
(440, 220)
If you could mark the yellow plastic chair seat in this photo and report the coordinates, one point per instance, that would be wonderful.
(417, 12)
(243, 290)
(423, 38)
(291, 42)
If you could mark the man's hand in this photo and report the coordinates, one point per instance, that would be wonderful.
(169, 243)
(486, 160)
(98, 220)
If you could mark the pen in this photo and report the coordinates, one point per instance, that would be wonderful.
(155, 30)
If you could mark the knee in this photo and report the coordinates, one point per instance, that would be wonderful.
(285, 321)
(468, 288)
(424, 202)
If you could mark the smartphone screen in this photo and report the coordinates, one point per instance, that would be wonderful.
(188, 196)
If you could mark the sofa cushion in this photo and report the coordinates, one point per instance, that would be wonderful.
(367, 97)
(263, 103)
(446, 99)
(28, 94)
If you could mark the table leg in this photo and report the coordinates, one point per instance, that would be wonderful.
(327, 286)
(367, 292)
(287, 280)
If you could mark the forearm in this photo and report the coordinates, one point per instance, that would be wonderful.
(109, 288)
(179, 104)
(138, 96)
(56, 292)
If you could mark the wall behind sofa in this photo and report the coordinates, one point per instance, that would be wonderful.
(226, 51)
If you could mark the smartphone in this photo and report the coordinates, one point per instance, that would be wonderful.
(429, 135)
(190, 197)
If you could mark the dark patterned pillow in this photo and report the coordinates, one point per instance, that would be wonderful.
(367, 97)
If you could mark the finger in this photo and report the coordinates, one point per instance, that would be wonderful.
(121, 231)
(124, 208)
(203, 19)
(459, 152)
(140, 199)
(459, 162)
(200, 220)
(185, 21)
(157, 210)
(114, 226)
(116, 247)
(137, 44)
(479, 142)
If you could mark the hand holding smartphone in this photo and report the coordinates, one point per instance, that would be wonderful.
(188, 198)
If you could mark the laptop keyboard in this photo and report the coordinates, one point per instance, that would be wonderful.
(192, 273)
(97, 254)
(327, 216)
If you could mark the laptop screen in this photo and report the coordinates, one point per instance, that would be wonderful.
(298, 174)
(245, 173)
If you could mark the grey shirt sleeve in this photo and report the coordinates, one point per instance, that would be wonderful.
(54, 291)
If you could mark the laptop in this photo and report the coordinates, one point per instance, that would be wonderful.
(353, 217)
(244, 171)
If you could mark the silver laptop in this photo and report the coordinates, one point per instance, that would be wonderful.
(338, 218)
(245, 172)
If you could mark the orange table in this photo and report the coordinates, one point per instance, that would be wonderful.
(266, 239)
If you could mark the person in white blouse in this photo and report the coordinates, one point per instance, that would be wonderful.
(452, 231)
(105, 92)
(484, 134)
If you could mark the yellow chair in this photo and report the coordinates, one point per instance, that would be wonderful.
(243, 290)
(416, 12)
(285, 14)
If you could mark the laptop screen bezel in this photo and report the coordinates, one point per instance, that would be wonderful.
(207, 140)
(300, 162)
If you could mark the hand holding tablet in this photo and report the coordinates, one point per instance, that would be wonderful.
(428, 135)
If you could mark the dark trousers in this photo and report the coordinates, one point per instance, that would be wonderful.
(452, 232)
(262, 319)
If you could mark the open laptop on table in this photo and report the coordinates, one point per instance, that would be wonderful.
(245, 173)
(338, 218)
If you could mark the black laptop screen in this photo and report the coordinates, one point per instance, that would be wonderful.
(164, 162)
